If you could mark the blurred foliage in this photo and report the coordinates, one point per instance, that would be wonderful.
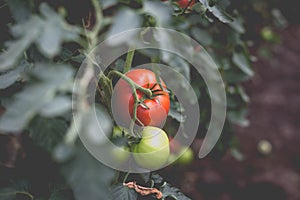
(42, 46)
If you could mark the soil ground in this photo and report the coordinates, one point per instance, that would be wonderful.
(274, 116)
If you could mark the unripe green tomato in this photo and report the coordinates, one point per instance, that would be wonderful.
(120, 154)
(152, 151)
(267, 33)
(186, 157)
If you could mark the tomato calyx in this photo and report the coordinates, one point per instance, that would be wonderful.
(155, 93)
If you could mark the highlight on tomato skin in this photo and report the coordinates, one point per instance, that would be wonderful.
(152, 111)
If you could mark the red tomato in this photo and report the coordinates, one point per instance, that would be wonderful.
(185, 3)
(152, 112)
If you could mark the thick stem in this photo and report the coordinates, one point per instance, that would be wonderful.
(132, 84)
(134, 87)
(129, 59)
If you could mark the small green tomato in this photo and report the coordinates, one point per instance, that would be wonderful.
(152, 152)
(187, 156)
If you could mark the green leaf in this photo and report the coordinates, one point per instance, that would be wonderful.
(23, 108)
(242, 62)
(237, 25)
(10, 77)
(61, 193)
(16, 48)
(238, 117)
(243, 94)
(218, 11)
(176, 115)
(97, 126)
(232, 76)
(88, 178)
(107, 3)
(125, 19)
(8, 194)
(58, 106)
(167, 189)
(119, 192)
(47, 133)
(56, 75)
(201, 36)
(20, 9)
(28, 102)
(55, 30)
(48, 31)
(15, 191)
(237, 154)
(161, 12)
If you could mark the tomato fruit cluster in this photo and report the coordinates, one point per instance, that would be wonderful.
(154, 149)
(151, 111)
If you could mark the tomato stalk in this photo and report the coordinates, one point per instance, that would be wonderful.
(82, 104)
(134, 87)
(157, 76)
(129, 59)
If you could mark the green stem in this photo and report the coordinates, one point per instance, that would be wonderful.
(126, 176)
(134, 87)
(132, 84)
(99, 18)
(129, 59)
(157, 77)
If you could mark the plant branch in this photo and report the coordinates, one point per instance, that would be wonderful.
(144, 191)
(132, 84)
(129, 59)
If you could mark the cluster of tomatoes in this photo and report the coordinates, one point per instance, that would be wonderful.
(150, 113)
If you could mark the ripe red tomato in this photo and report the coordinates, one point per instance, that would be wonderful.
(153, 150)
(185, 3)
(152, 112)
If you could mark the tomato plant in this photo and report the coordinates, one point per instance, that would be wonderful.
(153, 150)
(44, 43)
(151, 110)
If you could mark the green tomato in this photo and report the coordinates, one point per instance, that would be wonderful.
(120, 154)
(267, 34)
(187, 156)
(152, 152)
